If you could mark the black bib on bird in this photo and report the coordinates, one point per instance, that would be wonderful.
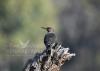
(49, 39)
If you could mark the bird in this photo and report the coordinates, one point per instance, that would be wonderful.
(50, 37)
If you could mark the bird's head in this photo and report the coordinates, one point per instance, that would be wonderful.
(48, 29)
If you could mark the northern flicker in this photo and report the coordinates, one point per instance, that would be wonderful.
(50, 37)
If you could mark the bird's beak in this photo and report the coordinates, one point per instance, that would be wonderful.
(44, 28)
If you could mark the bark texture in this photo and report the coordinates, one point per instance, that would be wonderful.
(50, 59)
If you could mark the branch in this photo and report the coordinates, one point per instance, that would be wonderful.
(50, 59)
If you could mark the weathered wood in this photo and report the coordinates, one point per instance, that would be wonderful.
(50, 59)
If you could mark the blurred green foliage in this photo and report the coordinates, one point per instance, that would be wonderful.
(22, 19)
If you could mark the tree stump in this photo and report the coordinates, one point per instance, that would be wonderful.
(50, 59)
